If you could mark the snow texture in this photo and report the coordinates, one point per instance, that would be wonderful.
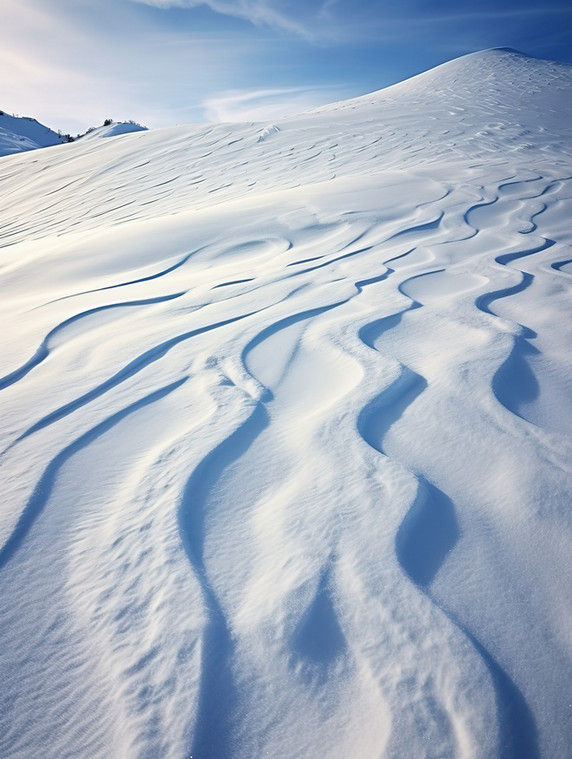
(286, 445)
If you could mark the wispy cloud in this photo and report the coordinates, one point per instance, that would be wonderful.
(258, 12)
(266, 104)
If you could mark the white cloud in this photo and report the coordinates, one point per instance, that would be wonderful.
(258, 12)
(266, 104)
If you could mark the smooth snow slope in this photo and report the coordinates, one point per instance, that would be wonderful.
(286, 441)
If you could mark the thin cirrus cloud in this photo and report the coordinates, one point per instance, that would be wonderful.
(258, 12)
(266, 104)
(400, 38)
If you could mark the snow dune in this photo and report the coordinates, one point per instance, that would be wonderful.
(286, 441)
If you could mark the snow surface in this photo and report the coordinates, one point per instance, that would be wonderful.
(286, 441)
(21, 133)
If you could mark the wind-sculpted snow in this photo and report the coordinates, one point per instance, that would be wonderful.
(286, 432)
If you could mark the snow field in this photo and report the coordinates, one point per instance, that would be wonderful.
(286, 431)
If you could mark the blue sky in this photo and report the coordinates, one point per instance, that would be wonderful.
(72, 63)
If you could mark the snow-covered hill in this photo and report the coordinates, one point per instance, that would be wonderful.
(21, 133)
(286, 430)
(113, 129)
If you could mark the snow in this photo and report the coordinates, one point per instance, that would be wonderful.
(286, 441)
(113, 130)
(21, 133)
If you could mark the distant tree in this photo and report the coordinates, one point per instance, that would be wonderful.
(108, 122)
(65, 137)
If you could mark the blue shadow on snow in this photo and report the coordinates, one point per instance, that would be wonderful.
(427, 534)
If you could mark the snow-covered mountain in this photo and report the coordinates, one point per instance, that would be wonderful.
(287, 430)
(21, 133)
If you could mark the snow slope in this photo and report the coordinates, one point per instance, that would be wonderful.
(21, 133)
(286, 441)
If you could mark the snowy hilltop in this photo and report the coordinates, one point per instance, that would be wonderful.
(111, 128)
(286, 441)
(21, 133)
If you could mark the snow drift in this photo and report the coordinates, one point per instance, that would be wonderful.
(286, 441)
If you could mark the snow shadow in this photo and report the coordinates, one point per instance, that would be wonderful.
(514, 383)
(318, 637)
(234, 282)
(427, 534)
(370, 332)
(508, 257)
(483, 302)
(425, 537)
(518, 733)
(560, 265)
(428, 226)
(218, 698)
(384, 410)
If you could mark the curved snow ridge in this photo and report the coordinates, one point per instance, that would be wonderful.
(563, 266)
(516, 384)
(429, 528)
(137, 281)
(218, 475)
(55, 336)
(419, 556)
(217, 698)
(41, 494)
(430, 531)
(129, 370)
(79, 546)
